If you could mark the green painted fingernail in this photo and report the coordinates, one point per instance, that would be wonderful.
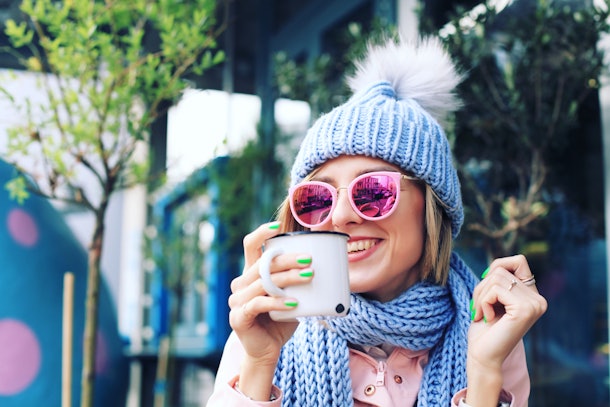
(472, 310)
(291, 303)
(306, 273)
(485, 273)
(274, 225)
(304, 260)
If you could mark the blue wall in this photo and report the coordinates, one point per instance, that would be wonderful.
(36, 249)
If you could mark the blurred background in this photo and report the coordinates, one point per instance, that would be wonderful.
(532, 145)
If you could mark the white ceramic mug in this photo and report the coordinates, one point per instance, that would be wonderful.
(328, 293)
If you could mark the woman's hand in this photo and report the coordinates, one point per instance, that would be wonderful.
(261, 337)
(504, 307)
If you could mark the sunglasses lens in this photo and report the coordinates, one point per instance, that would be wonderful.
(312, 203)
(375, 195)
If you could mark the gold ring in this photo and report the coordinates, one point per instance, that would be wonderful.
(512, 284)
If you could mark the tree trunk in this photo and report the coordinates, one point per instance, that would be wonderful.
(91, 312)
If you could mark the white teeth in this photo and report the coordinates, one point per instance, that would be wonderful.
(360, 245)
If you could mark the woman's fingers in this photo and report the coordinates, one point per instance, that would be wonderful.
(502, 293)
(297, 265)
(518, 266)
(249, 300)
(508, 283)
(254, 241)
(280, 279)
(244, 313)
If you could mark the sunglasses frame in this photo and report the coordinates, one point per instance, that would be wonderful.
(394, 175)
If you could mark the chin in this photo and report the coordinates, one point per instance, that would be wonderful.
(360, 287)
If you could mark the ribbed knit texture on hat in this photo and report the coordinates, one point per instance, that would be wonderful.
(313, 369)
(386, 119)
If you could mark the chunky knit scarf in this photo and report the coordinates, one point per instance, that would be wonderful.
(313, 369)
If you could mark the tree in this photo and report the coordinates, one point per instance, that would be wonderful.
(107, 72)
(531, 68)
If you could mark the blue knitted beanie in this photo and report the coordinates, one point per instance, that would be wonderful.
(403, 94)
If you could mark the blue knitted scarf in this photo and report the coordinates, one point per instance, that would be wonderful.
(313, 369)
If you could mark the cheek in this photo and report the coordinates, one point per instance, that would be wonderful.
(412, 210)
(410, 224)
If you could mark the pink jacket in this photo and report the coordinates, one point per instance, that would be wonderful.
(393, 382)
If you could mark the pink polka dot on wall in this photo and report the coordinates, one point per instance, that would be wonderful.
(22, 227)
(20, 356)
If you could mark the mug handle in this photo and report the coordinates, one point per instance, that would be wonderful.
(265, 273)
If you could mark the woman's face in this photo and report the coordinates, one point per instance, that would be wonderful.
(383, 255)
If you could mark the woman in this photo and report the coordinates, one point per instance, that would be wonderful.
(419, 332)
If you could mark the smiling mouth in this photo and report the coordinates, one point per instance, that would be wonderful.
(360, 245)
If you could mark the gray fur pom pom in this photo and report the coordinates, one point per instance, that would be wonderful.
(420, 70)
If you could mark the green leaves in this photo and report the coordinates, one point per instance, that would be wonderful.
(17, 189)
(18, 34)
(111, 68)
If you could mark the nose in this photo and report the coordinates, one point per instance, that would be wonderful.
(344, 213)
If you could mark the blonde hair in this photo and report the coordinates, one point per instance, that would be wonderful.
(438, 241)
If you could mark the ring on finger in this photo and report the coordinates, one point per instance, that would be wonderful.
(529, 281)
(512, 284)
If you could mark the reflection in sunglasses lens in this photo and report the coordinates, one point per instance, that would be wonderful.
(312, 203)
(374, 195)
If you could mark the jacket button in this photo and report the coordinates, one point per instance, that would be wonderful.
(369, 390)
(398, 379)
